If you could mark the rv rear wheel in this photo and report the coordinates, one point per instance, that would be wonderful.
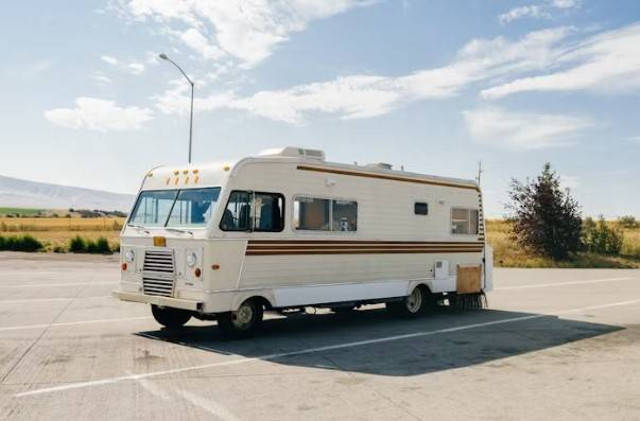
(243, 322)
(170, 318)
(410, 307)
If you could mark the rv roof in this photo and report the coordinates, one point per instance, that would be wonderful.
(309, 159)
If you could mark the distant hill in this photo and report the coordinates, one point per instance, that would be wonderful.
(18, 193)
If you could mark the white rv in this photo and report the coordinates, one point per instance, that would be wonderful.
(287, 230)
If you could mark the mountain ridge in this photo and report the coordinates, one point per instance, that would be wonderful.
(19, 193)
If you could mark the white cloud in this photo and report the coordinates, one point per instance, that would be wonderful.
(531, 11)
(99, 115)
(565, 4)
(608, 62)
(132, 67)
(537, 11)
(362, 96)
(101, 78)
(109, 59)
(523, 131)
(246, 30)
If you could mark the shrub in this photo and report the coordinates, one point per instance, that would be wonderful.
(20, 243)
(82, 245)
(628, 221)
(598, 237)
(102, 246)
(78, 245)
(546, 220)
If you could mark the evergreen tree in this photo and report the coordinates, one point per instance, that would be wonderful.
(546, 219)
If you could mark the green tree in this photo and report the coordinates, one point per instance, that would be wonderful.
(545, 218)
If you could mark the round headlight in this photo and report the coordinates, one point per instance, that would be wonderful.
(192, 259)
(130, 256)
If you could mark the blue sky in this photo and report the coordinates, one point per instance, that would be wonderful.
(435, 86)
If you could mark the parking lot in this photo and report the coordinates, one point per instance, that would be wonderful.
(554, 343)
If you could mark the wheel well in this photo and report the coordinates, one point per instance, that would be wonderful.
(262, 301)
(424, 288)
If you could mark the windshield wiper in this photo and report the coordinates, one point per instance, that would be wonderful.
(140, 228)
(179, 230)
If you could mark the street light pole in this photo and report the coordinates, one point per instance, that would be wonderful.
(165, 57)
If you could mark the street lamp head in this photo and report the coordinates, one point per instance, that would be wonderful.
(163, 56)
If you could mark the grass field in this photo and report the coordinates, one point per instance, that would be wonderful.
(56, 232)
(508, 254)
(21, 211)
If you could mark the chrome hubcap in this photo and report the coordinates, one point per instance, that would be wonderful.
(414, 301)
(243, 316)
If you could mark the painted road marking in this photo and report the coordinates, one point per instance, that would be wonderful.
(40, 326)
(237, 361)
(66, 284)
(30, 300)
(560, 284)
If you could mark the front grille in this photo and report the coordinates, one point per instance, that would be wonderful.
(158, 272)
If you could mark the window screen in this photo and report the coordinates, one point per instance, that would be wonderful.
(464, 221)
(421, 208)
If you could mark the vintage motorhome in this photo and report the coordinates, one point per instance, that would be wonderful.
(287, 230)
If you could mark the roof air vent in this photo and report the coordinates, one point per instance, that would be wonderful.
(380, 165)
(293, 152)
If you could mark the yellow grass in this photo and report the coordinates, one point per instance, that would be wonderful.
(508, 254)
(58, 231)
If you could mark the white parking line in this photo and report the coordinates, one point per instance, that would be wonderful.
(40, 326)
(560, 284)
(237, 361)
(66, 284)
(35, 300)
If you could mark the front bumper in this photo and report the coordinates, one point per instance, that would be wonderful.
(160, 301)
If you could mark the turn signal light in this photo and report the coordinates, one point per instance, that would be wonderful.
(124, 267)
(197, 272)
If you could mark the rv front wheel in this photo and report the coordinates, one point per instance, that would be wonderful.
(410, 307)
(170, 318)
(243, 322)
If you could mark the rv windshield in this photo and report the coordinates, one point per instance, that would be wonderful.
(175, 208)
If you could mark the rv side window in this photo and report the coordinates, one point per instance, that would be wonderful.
(311, 214)
(464, 221)
(268, 212)
(421, 208)
(344, 215)
(248, 211)
(315, 214)
(236, 215)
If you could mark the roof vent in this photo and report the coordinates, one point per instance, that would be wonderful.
(380, 165)
(294, 152)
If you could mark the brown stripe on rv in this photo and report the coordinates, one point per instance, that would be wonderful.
(358, 247)
(386, 177)
(356, 242)
(360, 251)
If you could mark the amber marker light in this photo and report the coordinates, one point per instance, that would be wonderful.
(215, 267)
(197, 272)
(124, 267)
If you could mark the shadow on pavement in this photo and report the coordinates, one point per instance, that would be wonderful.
(426, 352)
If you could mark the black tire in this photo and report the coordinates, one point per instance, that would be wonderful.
(171, 318)
(344, 311)
(242, 323)
(411, 306)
